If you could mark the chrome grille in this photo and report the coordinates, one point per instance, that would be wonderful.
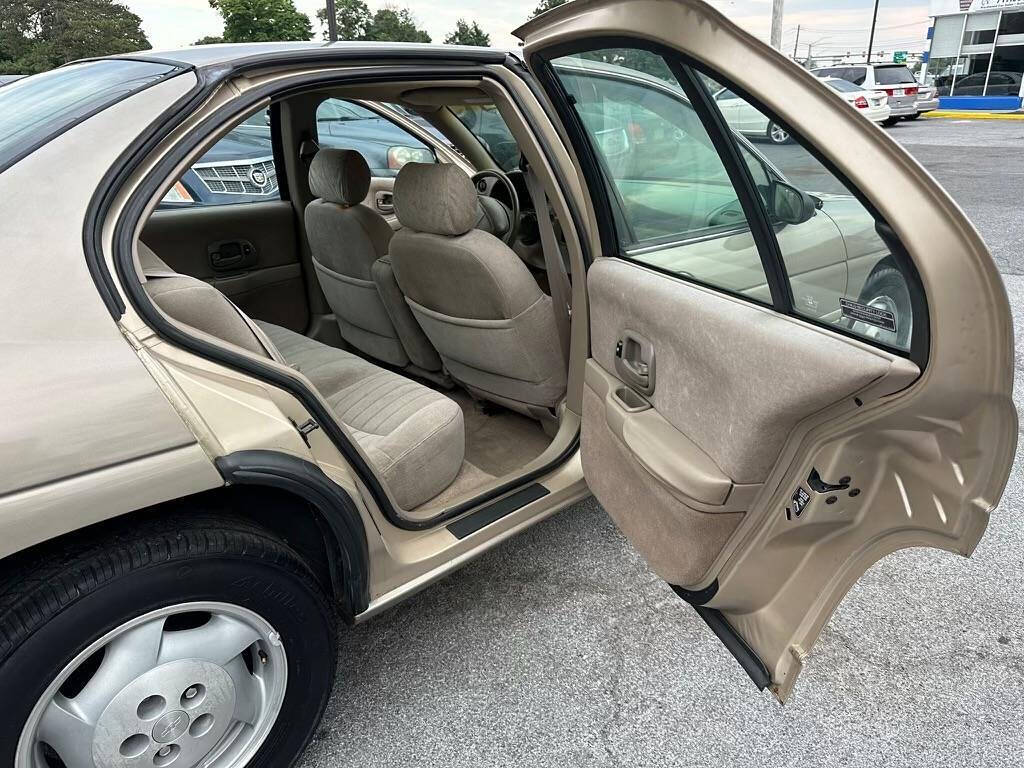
(239, 178)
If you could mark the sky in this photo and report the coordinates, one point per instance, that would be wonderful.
(831, 26)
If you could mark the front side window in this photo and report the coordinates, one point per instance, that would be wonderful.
(676, 205)
(239, 168)
(384, 145)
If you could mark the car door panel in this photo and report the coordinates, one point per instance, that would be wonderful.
(839, 451)
(268, 285)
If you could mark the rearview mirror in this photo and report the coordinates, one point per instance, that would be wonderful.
(789, 204)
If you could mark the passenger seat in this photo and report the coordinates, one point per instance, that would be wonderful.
(413, 436)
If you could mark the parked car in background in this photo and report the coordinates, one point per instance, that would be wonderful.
(874, 105)
(744, 118)
(240, 167)
(927, 100)
(895, 79)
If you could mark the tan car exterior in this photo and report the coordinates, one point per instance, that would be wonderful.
(110, 415)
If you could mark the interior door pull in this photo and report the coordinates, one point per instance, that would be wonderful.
(634, 361)
(385, 202)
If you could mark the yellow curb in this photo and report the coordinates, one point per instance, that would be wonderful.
(975, 115)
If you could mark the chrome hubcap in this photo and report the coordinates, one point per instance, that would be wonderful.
(189, 685)
(779, 135)
(884, 335)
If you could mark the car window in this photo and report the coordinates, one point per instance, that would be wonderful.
(239, 168)
(489, 127)
(840, 270)
(385, 146)
(844, 86)
(38, 108)
(676, 207)
(893, 75)
(725, 95)
(829, 72)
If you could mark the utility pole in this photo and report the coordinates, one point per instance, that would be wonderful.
(776, 36)
(332, 22)
(796, 44)
(871, 39)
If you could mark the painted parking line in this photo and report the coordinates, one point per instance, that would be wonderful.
(975, 115)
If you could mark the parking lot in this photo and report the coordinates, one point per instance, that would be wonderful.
(561, 648)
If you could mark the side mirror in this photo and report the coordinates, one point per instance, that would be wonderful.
(789, 204)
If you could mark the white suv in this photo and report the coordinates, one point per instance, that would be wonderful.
(894, 79)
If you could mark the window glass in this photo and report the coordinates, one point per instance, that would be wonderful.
(856, 75)
(1012, 23)
(239, 168)
(844, 86)
(487, 124)
(893, 75)
(971, 74)
(385, 146)
(840, 270)
(1008, 64)
(942, 71)
(830, 72)
(676, 208)
(41, 106)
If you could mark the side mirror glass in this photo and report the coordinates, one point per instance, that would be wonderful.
(789, 204)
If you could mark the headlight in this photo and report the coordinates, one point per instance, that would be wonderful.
(399, 156)
(177, 194)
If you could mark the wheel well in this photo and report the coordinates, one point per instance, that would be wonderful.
(288, 516)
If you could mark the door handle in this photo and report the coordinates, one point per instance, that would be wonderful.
(634, 361)
(385, 202)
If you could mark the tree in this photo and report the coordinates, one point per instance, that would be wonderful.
(36, 35)
(253, 21)
(547, 5)
(468, 34)
(389, 24)
(209, 40)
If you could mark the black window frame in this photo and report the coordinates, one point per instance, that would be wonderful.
(687, 71)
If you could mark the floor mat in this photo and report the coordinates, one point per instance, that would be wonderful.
(499, 441)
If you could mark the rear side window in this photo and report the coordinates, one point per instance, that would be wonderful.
(34, 110)
(856, 75)
(893, 75)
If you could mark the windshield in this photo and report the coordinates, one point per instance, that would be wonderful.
(842, 85)
(893, 75)
(34, 110)
(487, 124)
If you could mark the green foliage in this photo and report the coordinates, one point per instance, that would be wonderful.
(547, 5)
(468, 34)
(254, 21)
(36, 35)
(389, 24)
(209, 40)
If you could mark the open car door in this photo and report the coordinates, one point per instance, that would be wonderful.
(801, 353)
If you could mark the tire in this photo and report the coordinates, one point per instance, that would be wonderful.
(776, 134)
(58, 607)
(913, 116)
(889, 122)
(887, 289)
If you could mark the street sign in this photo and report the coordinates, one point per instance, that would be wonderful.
(900, 57)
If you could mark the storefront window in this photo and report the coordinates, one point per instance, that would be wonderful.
(1007, 69)
(943, 70)
(970, 75)
(1012, 23)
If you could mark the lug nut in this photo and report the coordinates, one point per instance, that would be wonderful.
(191, 693)
(164, 751)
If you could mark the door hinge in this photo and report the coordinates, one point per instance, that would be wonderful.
(305, 428)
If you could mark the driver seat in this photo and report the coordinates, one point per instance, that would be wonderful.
(349, 242)
(477, 302)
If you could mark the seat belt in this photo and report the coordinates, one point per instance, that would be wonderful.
(558, 279)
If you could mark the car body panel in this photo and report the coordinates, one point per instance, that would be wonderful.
(935, 445)
(77, 397)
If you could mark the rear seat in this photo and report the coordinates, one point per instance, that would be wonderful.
(414, 436)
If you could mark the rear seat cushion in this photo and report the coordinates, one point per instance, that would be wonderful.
(413, 435)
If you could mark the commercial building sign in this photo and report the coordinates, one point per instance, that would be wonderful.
(996, 5)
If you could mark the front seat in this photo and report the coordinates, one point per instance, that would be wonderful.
(349, 245)
(478, 303)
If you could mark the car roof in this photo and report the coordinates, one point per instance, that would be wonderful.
(202, 56)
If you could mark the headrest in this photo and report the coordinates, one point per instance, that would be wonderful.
(339, 176)
(435, 197)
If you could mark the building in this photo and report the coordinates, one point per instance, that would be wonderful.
(976, 55)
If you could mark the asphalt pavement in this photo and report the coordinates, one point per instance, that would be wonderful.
(561, 648)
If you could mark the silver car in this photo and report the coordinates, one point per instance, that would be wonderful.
(896, 80)
(232, 430)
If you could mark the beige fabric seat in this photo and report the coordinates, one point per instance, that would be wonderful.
(475, 299)
(413, 435)
(349, 244)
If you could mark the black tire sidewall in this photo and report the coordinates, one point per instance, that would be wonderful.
(285, 599)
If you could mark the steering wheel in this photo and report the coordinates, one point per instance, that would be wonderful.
(509, 235)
